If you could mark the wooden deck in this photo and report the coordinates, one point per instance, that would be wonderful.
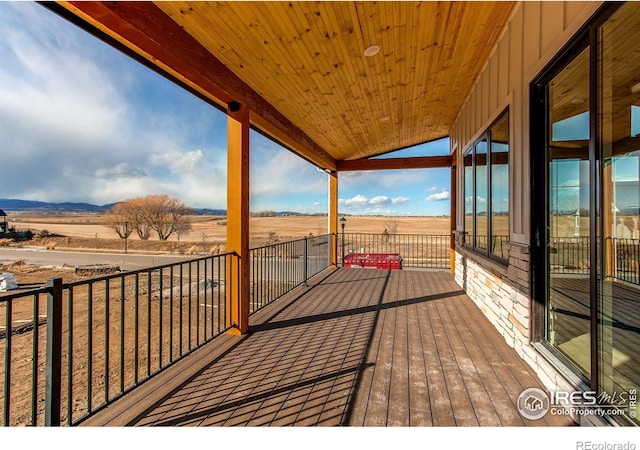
(357, 347)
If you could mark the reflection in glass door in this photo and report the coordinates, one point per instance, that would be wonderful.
(586, 108)
(619, 124)
(568, 296)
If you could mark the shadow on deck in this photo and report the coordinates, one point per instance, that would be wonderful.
(357, 347)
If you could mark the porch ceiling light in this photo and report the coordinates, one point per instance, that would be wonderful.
(372, 50)
(384, 119)
(577, 101)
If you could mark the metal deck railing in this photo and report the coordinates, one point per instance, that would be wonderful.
(416, 250)
(68, 349)
(278, 268)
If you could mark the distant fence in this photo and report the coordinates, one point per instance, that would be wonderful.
(416, 250)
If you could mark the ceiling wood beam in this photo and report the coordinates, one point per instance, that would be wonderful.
(149, 32)
(420, 162)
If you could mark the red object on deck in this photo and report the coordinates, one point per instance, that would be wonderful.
(392, 261)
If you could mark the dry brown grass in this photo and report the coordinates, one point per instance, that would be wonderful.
(86, 231)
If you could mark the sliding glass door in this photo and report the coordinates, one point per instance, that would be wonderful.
(585, 124)
(569, 183)
(618, 84)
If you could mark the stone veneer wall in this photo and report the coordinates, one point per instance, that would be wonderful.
(502, 294)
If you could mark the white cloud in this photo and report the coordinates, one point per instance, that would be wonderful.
(121, 170)
(379, 200)
(275, 171)
(400, 200)
(358, 200)
(181, 163)
(439, 196)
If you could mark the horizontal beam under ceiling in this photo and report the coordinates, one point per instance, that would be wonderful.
(418, 162)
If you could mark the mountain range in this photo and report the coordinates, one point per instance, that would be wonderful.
(32, 206)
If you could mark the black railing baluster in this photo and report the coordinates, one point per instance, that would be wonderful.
(198, 303)
(149, 350)
(69, 356)
(53, 382)
(89, 345)
(204, 295)
(34, 360)
(189, 291)
(136, 329)
(160, 322)
(170, 313)
(180, 327)
(106, 339)
(305, 275)
(8, 331)
(122, 333)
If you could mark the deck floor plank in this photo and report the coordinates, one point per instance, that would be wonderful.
(360, 347)
(419, 400)
(437, 384)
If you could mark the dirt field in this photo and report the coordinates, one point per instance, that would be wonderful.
(213, 227)
(86, 231)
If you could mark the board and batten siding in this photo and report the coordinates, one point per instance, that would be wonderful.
(533, 36)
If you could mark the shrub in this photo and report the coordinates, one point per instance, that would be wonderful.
(216, 250)
(44, 233)
(193, 250)
(5, 242)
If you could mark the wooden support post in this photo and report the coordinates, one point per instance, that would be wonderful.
(237, 292)
(333, 217)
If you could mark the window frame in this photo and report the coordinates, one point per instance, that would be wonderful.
(485, 136)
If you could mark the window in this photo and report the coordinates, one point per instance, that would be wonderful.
(486, 191)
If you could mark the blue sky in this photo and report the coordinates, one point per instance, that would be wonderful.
(81, 122)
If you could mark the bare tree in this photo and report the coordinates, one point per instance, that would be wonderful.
(391, 227)
(183, 227)
(117, 218)
(160, 213)
(138, 217)
(164, 215)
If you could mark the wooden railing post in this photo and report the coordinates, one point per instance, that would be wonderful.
(53, 383)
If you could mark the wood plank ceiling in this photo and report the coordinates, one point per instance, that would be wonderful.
(307, 60)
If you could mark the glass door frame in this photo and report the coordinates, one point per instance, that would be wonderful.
(539, 137)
